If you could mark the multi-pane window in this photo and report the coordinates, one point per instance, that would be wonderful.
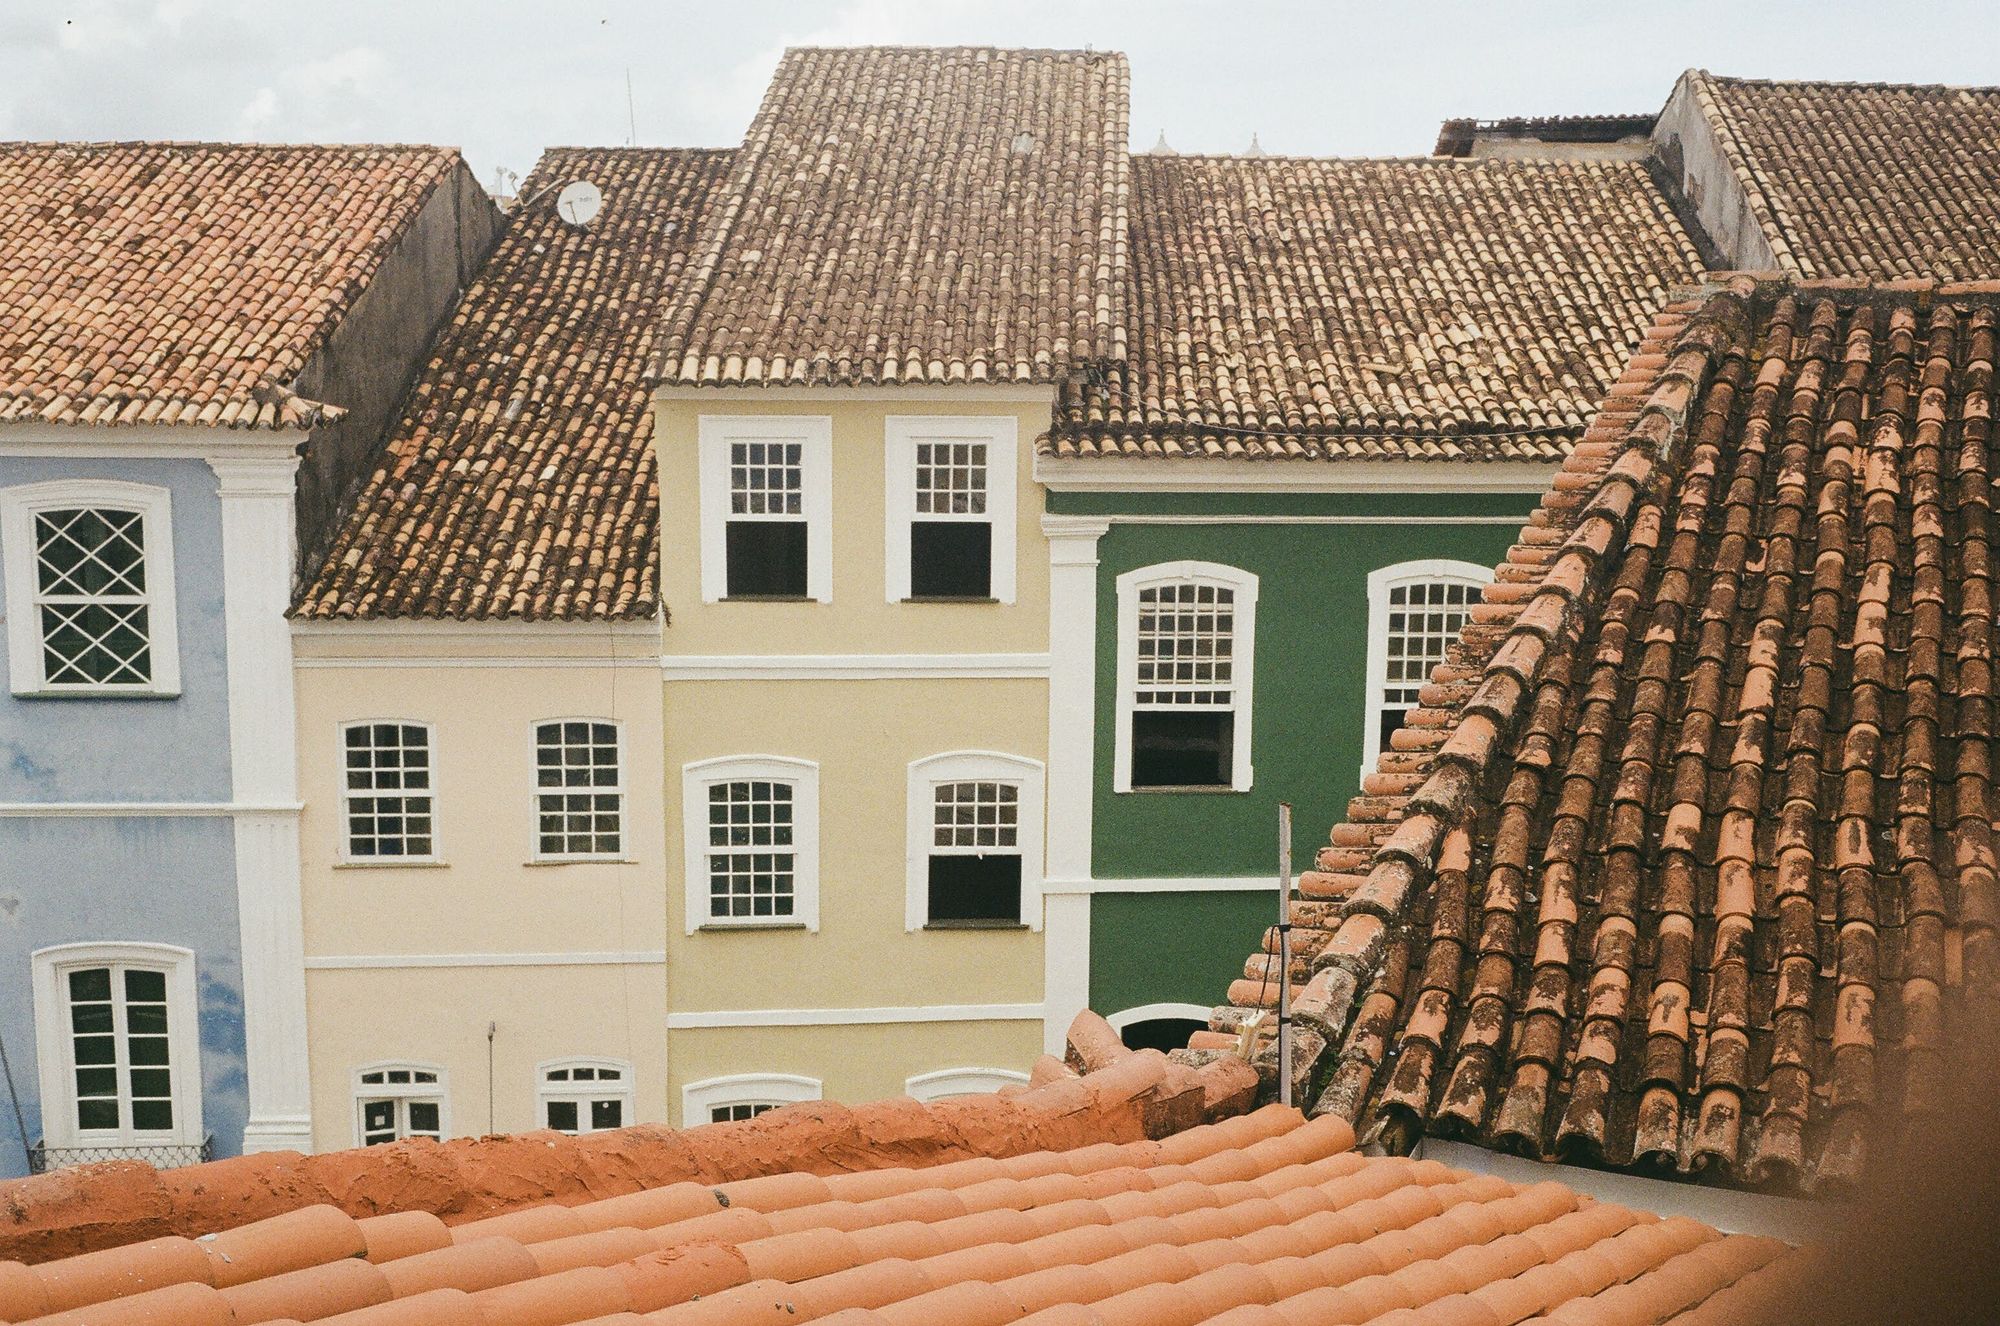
(741, 1096)
(767, 529)
(1183, 720)
(579, 797)
(950, 507)
(1424, 617)
(398, 1101)
(387, 795)
(585, 1096)
(121, 1051)
(975, 852)
(752, 864)
(91, 598)
(738, 1112)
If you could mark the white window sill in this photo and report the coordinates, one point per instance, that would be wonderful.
(98, 693)
(539, 861)
(394, 863)
(1189, 789)
(751, 925)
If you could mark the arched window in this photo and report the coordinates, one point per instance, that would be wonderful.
(750, 826)
(1415, 611)
(1159, 1026)
(399, 1099)
(583, 1095)
(948, 1082)
(1187, 634)
(742, 1096)
(975, 841)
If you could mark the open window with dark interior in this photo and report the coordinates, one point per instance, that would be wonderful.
(1187, 749)
(765, 535)
(1183, 718)
(975, 856)
(951, 533)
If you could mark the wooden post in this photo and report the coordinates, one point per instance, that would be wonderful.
(1284, 953)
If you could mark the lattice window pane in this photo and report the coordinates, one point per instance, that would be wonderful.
(122, 1059)
(1186, 645)
(584, 817)
(976, 817)
(1424, 618)
(951, 478)
(91, 599)
(736, 1113)
(751, 863)
(388, 768)
(766, 479)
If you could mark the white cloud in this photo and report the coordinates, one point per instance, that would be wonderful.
(260, 111)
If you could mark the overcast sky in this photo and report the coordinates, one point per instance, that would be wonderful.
(504, 78)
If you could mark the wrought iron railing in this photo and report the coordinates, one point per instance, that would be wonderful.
(42, 1158)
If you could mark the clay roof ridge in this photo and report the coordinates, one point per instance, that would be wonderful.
(1849, 84)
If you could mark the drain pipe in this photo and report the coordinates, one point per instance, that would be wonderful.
(492, 1028)
(1284, 953)
(20, 1121)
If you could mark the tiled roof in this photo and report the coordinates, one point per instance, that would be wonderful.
(519, 480)
(1455, 137)
(1258, 1219)
(1286, 308)
(916, 215)
(1688, 860)
(182, 283)
(1865, 179)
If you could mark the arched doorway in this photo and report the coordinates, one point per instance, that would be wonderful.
(1159, 1026)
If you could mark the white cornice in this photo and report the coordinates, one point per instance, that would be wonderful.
(848, 667)
(144, 809)
(146, 441)
(399, 961)
(500, 631)
(1193, 884)
(1424, 477)
(751, 395)
(428, 662)
(855, 1017)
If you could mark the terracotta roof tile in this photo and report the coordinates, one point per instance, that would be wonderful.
(519, 480)
(1865, 179)
(1287, 308)
(902, 214)
(1729, 809)
(188, 283)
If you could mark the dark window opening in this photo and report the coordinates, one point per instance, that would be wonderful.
(1182, 749)
(767, 559)
(951, 559)
(1392, 719)
(976, 888)
(1162, 1034)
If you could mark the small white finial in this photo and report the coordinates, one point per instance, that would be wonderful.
(1162, 148)
(1256, 149)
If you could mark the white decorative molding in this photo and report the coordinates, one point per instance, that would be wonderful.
(145, 809)
(921, 782)
(54, 1044)
(1072, 542)
(421, 663)
(813, 433)
(509, 631)
(850, 667)
(948, 1082)
(439, 1089)
(1151, 1012)
(394, 961)
(1000, 434)
(258, 516)
(151, 441)
(1190, 884)
(1243, 660)
(1294, 476)
(854, 1017)
(1509, 522)
(698, 1098)
(584, 1093)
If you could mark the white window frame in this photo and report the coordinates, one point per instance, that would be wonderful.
(696, 779)
(402, 1092)
(19, 506)
(923, 778)
(814, 434)
(773, 1089)
(948, 1082)
(55, 1050)
(1001, 435)
(583, 1093)
(347, 857)
(1380, 582)
(537, 792)
(1243, 660)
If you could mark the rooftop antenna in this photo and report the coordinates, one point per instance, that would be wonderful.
(1285, 953)
(631, 112)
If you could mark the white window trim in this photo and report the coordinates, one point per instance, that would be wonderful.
(901, 434)
(582, 1092)
(968, 766)
(18, 506)
(948, 1082)
(1153, 1012)
(536, 791)
(347, 857)
(439, 1090)
(1380, 582)
(54, 1048)
(698, 1098)
(696, 779)
(814, 434)
(1243, 659)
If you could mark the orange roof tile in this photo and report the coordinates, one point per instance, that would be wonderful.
(1259, 1219)
(1864, 179)
(903, 214)
(1688, 860)
(1287, 308)
(188, 283)
(519, 481)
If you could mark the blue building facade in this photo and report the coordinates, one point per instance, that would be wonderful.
(117, 846)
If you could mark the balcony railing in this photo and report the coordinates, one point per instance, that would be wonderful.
(42, 1158)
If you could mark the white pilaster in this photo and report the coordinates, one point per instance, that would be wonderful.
(257, 548)
(1072, 772)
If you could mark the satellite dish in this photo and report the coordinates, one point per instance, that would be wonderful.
(579, 202)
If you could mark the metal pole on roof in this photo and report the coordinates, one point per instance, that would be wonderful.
(20, 1122)
(1284, 953)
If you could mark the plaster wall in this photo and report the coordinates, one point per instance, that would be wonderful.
(1508, 148)
(1686, 147)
